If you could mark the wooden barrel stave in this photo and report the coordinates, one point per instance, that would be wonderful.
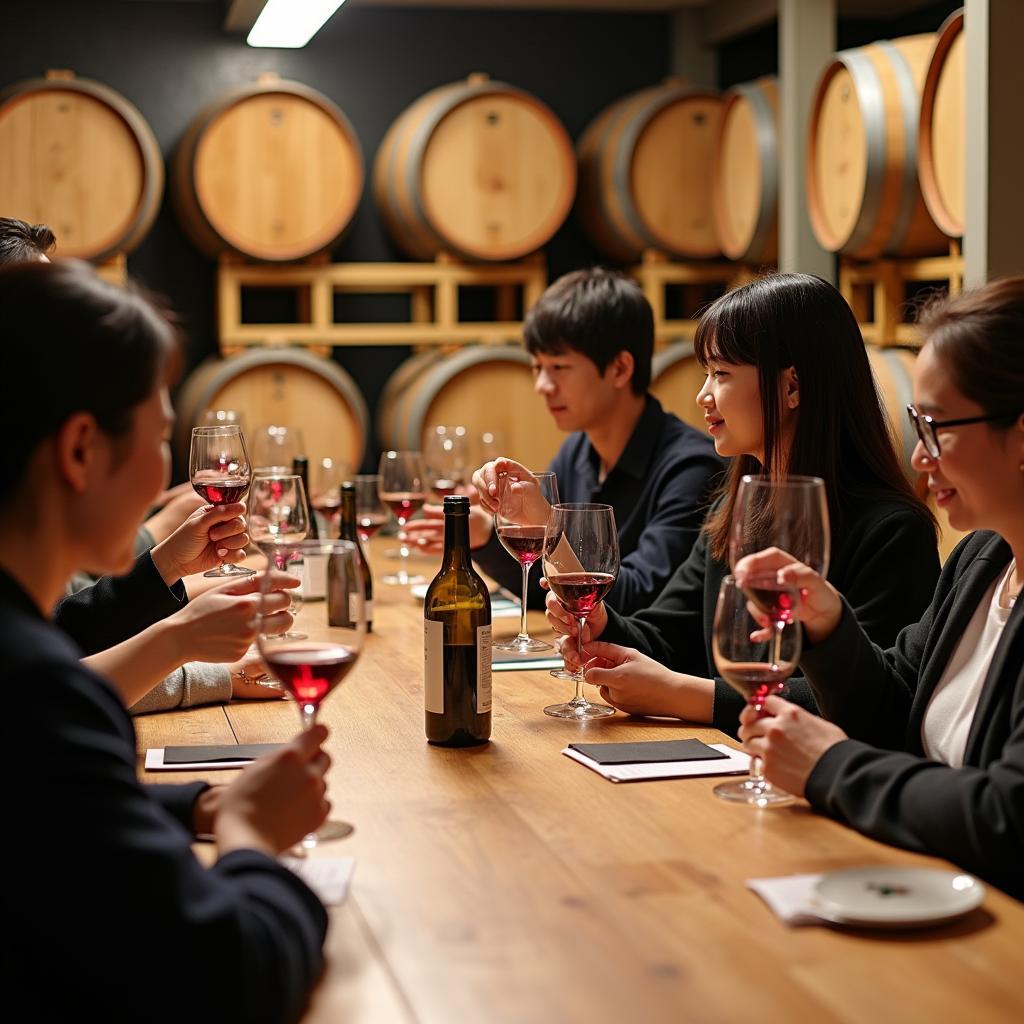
(676, 379)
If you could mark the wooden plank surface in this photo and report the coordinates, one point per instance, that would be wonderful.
(508, 883)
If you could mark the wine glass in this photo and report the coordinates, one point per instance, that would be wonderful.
(523, 509)
(326, 475)
(278, 445)
(312, 667)
(446, 456)
(223, 418)
(277, 516)
(581, 561)
(756, 662)
(218, 467)
(403, 489)
(371, 514)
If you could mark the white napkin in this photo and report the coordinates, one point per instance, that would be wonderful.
(790, 897)
(328, 877)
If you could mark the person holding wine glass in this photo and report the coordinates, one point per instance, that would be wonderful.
(84, 459)
(789, 392)
(591, 338)
(922, 742)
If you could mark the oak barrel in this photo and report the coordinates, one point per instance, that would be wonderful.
(943, 124)
(645, 173)
(863, 194)
(676, 378)
(475, 168)
(484, 388)
(745, 174)
(78, 156)
(271, 170)
(283, 386)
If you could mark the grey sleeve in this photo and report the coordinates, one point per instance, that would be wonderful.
(194, 683)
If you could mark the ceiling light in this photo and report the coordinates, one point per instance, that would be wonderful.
(290, 23)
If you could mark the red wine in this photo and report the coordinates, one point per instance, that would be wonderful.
(579, 592)
(776, 600)
(309, 670)
(524, 543)
(369, 524)
(404, 504)
(756, 681)
(443, 487)
(221, 490)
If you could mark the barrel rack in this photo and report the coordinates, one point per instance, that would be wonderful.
(433, 289)
(884, 293)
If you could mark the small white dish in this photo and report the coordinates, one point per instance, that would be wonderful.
(896, 897)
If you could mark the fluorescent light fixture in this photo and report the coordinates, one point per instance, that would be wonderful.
(290, 24)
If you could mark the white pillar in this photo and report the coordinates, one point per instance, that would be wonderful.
(807, 39)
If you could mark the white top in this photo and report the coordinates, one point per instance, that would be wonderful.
(950, 712)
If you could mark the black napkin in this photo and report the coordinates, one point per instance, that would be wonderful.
(225, 752)
(648, 752)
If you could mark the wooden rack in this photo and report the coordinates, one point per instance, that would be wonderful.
(884, 293)
(433, 289)
(114, 270)
(701, 284)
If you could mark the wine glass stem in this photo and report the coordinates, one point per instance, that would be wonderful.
(579, 677)
(756, 771)
(403, 551)
(524, 633)
(308, 713)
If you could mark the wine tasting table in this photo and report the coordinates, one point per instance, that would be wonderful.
(510, 884)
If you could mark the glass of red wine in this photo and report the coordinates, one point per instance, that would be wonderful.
(326, 475)
(523, 509)
(403, 490)
(311, 668)
(220, 473)
(581, 561)
(371, 513)
(446, 456)
(755, 660)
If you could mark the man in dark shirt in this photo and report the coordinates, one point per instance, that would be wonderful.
(591, 336)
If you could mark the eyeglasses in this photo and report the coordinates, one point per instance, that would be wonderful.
(927, 428)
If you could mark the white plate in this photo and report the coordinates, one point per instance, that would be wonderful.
(894, 897)
(419, 591)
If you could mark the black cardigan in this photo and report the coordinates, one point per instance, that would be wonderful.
(879, 781)
(884, 559)
(108, 907)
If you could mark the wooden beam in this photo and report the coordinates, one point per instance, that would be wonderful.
(242, 15)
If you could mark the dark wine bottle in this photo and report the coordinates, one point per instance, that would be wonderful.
(300, 467)
(457, 641)
(348, 530)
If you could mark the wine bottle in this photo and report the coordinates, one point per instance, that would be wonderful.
(300, 467)
(348, 530)
(457, 641)
(314, 568)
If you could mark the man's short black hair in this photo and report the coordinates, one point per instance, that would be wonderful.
(598, 313)
(21, 242)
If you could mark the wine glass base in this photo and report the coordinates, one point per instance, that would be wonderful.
(582, 712)
(561, 673)
(228, 570)
(753, 794)
(402, 580)
(328, 832)
(526, 645)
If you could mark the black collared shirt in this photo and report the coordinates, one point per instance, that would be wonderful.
(659, 488)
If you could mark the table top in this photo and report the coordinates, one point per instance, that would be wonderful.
(509, 883)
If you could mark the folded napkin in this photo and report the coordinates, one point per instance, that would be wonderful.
(725, 761)
(790, 897)
(328, 877)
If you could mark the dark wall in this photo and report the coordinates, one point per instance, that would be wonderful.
(170, 59)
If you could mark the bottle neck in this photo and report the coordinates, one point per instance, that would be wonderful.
(456, 541)
(347, 527)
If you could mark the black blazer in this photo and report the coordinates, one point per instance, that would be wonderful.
(879, 780)
(105, 905)
(884, 559)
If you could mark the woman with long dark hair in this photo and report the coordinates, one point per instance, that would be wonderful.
(789, 390)
(924, 743)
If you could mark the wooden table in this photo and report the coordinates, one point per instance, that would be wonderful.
(508, 883)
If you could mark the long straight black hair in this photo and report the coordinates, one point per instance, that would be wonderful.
(842, 434)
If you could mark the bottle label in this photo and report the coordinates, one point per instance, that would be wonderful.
(433, 666)
(483, 669)
(354, 608)
(314, 578)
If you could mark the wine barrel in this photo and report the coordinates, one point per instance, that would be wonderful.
(77, 156)
(676, 378)
(943, 124)
(482, 387)
(863, 195)
(645, 173)
(894, 374)
(475, 168)
(271, 170)
(745, 173)
(284, 386)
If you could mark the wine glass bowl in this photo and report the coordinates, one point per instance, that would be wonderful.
(402, 488)
(277, 444)
(446, 457)
(371, 513)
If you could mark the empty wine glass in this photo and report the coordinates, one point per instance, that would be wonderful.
(523, 509)
(755, 661)
(278, 445)
(371, 513)
(581, 562)
(403, 489)
(311, 668)
(220, 473)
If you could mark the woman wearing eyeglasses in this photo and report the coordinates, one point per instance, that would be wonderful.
(924, 742)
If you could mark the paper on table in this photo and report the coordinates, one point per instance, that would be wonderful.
(734, 763)
(328, 877)
(155, 763)
(790, 897)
